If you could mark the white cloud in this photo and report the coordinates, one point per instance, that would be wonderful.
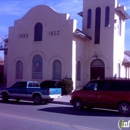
(70, 6)
(11, 8)
(17, 7)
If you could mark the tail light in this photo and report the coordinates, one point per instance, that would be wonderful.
(48, 91)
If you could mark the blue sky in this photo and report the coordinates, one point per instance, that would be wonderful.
(11, 10)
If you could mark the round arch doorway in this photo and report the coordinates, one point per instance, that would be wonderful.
(97, 69)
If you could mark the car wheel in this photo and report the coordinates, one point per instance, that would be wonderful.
(5, 97)
(124, 109)
(77, 103)
(37, 99)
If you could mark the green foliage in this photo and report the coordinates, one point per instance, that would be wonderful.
(66, 85)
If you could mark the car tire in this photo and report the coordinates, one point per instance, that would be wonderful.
(37, 99)
(124, 109)
(5, 97)
(77, 104)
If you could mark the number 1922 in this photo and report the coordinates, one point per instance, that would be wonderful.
(51, 33)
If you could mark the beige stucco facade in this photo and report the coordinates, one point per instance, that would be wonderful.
(62, 41)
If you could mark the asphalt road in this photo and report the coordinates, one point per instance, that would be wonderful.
(53, 116)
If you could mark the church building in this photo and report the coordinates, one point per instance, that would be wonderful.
(47, 45)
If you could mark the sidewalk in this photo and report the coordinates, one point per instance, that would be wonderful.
(63, 100)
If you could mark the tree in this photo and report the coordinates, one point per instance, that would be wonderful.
(66, 85)
(2, 38)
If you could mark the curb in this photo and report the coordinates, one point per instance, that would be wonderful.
(61, 102)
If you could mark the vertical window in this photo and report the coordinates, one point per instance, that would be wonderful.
(89, 18)
(38, 32)
(37, 67)
(19, 70)
(107, 16)
(78, 72)
(57, 70)
(97, 25)
(120, 26)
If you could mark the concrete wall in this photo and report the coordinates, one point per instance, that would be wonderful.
(80, 51)
(59, 42)
(108, 48)
(52, 47)
(119, 47)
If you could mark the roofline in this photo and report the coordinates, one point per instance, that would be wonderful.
(80, 13)
(6, 40)
(121, 10)
(78, 32)
(3, 48)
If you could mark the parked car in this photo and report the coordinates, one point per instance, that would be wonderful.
(110, 94)
(30, 90)
(65, 84)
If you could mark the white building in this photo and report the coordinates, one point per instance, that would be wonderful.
(46, 45)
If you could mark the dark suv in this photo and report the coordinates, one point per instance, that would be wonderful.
(110, 94)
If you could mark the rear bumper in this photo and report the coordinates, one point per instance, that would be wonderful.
(51, 96)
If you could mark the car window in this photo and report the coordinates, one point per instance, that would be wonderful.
(121, 85)
(33, 84)
(16, 85)
(19, 85)
(126, 85)
(116, 86)
(91, 86)
(104, 85)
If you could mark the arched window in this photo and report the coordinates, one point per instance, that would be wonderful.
(19, 70)
(37, 67)
(78, 72)
(57, 70)
(97, 25)
(38, 32)
(89, 18)
(107, 16)
(120, 26)
(97, 63)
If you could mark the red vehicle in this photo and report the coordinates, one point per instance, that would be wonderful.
(110, 94)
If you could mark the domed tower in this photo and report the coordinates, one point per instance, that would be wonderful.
(104, 22)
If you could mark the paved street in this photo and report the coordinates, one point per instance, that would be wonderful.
(58, 115)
